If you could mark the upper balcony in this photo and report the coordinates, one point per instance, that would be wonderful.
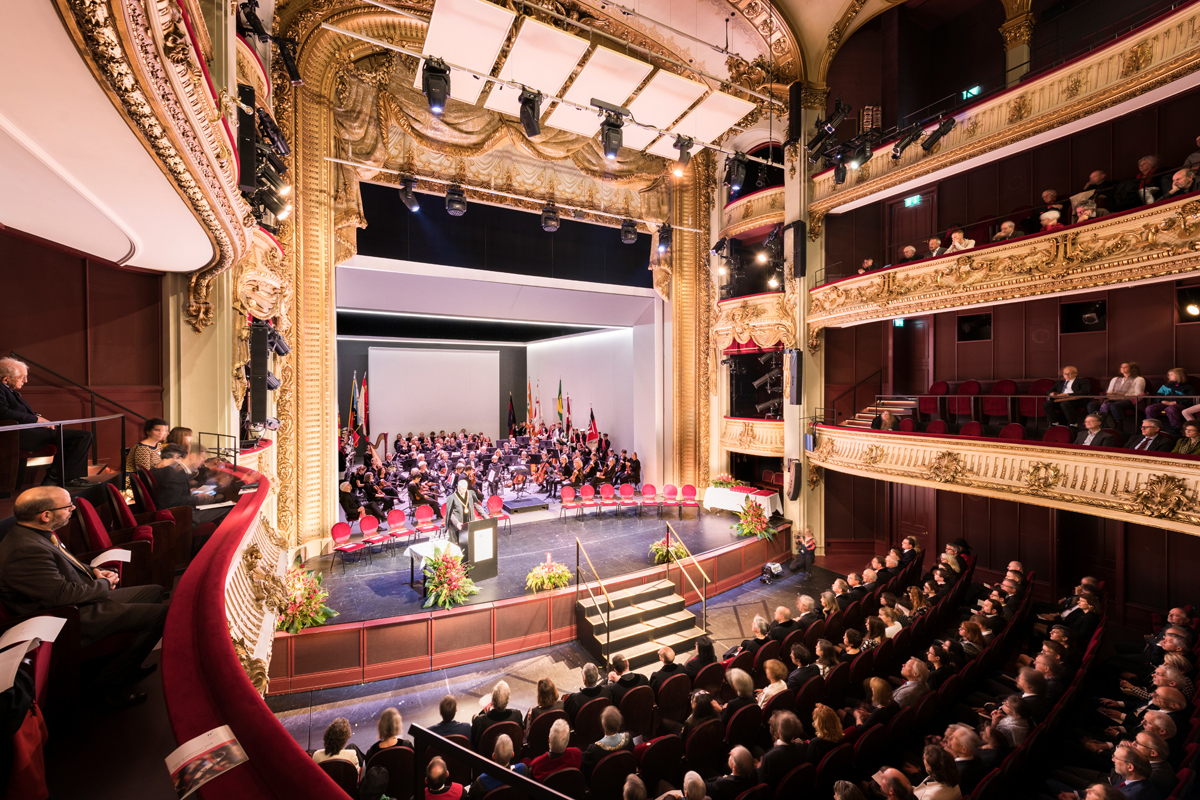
(754, 213)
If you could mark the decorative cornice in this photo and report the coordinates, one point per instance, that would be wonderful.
(759, 210)
(768, 320)
(1017, 31)
(1140, 246)
(1166, 52)
(760, 437)
(1145, 488)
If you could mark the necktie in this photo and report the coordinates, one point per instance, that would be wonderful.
(86, 570)
(1144, 444)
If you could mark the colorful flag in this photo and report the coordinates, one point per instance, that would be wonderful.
(567, 426)
(352, 420)
(537, 404)
(528, 405)
(558, 403)
(593, 433)
(366, 410)
(512, 415)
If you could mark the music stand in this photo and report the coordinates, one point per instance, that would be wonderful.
(481, 544)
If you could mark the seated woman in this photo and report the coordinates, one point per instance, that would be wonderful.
(1189, 443)
(743, 684)
(918, 605)
(878, 710)
(705, 655)
(1121, 394)
(1011, 720)
(1049, 220)
(829, 733)
(777, 675)
(851, 645)
(547, 700)
(971, 639)
(337, 744)
(891, 619)
(958, 241)
(885, 421)
(941, 666)
(876, 634)
(389, 727)
(827, 657)
(1169, 409)
(829, 605)
(942, 783)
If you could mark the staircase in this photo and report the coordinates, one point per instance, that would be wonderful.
(901, 408)
(644, 619)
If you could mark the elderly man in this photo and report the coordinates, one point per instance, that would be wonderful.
(560, 755)
(438, 785)
(462, 507)
(1151, 438)
(592, 688)
(783, 624)
(669, 669)
(1131, 774)
(761, 628)
(1182, 182)
(935, 248)
(71, 464)
(1008, 229)
(909, 253)
(841, 594)
(496, 712)
(1100, 186)
(693, 789)
(742, 776)
(613, 741)
(37, 572)
(807, 607)
(1094, 434)
(502, 755)
(1061, 406)
(1088, 210)
(963, 743)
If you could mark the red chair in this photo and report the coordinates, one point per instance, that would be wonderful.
(710, 677)
(743, 726)
(930, 403)
(587, 499)
(906, 426)
(797, 783)
(670, 498)
(372, 537)
(1013, 430)
(1117, 437)
(608, 497)
(937, 427)
(963, 401)
(495, 510)
(145, 566)
(537, 740)
(996, 403)
(423, 520)
(395, 520)
(182, 514)
(1058, 434)
(627, 499)
(688, 499)
(703, 747)
(784, 701)
(1030, 405)
(637, 710)
(342, 546)
(834, 765)
(399, 763)
(586, 725)
(569, 503)
(343, 773)
(650, 497)
(608, 778)
(179, 540)
(972, 428)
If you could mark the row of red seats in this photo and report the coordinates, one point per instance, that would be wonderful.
(672, 497)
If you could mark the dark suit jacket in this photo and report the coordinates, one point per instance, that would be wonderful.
(970, 773)
(934, 253)
(779, 761)
(818, 748)
(844, 600)
(883, 575)
(172, 487)
(35, 575)
(1140, 790)
(806, 620)
(780, 630)
(801, 676)
(481, 722)
(728, 787)
(732, 707)
(1103, 439)
(659, 677)
(626, 682)
(1078, 386)
(906, 555)
(576, 700)
(13, 406)
(1083, 626)
(694, 665)
(596, 751)
(452, 728)
(1161, 444)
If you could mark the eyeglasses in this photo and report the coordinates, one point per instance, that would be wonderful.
(61, 508)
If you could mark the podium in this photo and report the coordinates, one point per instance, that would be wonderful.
(481, 545)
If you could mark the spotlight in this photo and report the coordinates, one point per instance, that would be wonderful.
(610, 135)
(406, 195)
(719, 248)
(274, 203)
(945, 127)
(774, 281)
(762, 256)
(905, 142)
(826, 129)
(765, 357)
(862, 155)
(531, 110)
(664, 237)
(550, 219)
(271, 129)
(250, 10)
(628, 232)
(1193, 309)
(1090, 318)
(684, 145)
(435, 84)
(769, 404)
(721, 271)
(775, 373)
(456, 201)
(839, 173)
(287, 52)
(274, 180)
(735, 172)
(276, 342)
(273, 382)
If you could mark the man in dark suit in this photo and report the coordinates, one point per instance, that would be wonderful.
(783, 625)
(908, 254)
(622, 679)
(1093, 433)
(592, 688)
(808, 612)
(449, 726)
(73, 463)
(742, 776)
(788, 752)
(172, 484)
(761, 628)
(854, 582)
(935, 248)
(806, 668)
(37, 572)
(1059, 404)
(668, 669)
(1151, 438)
(841, 594)
(962, 742)
(496, 712)
(869, 581)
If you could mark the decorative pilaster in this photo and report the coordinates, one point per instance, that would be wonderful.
(1017, 31)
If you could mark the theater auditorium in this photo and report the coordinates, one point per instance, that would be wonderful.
(591, 400)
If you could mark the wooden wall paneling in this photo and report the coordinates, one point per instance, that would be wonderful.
(1177, 127)
(1091, 150)
(949, 518)
(124, 309)
(857, 72)
(1146, 564)
(865, 512)
(868, 235)
(1086, 351)
(1005, 533)
(945, 358)
(1134, 135)
(1183, 554)
(1051, 165)
(1008, 341)
(1036, 541)
(1187, 343)
(60, 340)
(905, 225)
(1015, 184)
(1041, 339)
(952, 204)
(975, 361)
(839, 506)
(976, 528)
(868, 349)
(839, 245)
(982, 202)
(840, 347)
(1140, 322)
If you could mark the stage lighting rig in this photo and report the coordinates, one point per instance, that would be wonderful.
(250, 12)
(906, 141)
(720, 247)
(610, 134)
(267, 124)
(735, 171)
(775, 373)
(456, 201)
(826, 129)
(768, 405)
(664, 237)
(684, 145)
(276, 342)
(629, 232)
(945, 127)
(435, 84)
(773, 281)
(287, 52)
(550, 218)
(407, 196)
(531, 111)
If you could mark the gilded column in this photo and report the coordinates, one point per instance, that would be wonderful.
(1017, 31)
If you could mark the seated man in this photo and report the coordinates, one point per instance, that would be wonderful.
(1008, 229)
(559, 756)
(37, 572)
(806, 667)
(807, 607)
(1151, 438)
(783, 624)
(438, 785)
(935, 248)
(909, 254)
(1094, 434)
(70, 465)
(449, 726)
(495, 712)
(1181, 183)
(621, 679)
(592, 689)
(1060, 407)
(742, 776)
(502, 754)
(868, 265)
(669, 669)
(612, 741)
(172, 485)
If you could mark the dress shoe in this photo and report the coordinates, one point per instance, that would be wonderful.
(122, 698)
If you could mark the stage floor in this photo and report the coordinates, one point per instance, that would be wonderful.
(617, 545)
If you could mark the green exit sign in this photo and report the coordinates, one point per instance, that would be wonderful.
(915, 200)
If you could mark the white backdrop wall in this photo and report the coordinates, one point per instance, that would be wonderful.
(424, 389)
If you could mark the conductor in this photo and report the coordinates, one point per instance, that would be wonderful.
(461, 509)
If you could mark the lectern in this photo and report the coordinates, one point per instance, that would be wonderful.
(481, 545)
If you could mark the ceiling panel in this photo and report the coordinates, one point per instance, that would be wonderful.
(608, 76)
(659, 104)
(468, 33)
(716, 114)
(541, 58)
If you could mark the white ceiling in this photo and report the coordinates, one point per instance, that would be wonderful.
(71, 170)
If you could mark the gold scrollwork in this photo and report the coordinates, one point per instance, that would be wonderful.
(873, 454)
(1042, 476)
(815, 473)
(947, 467)
(1020, 109)
(1161, 496)
(1137, 58)
(255, 668)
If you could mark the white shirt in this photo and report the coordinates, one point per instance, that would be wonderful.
(929, 789)
(1067, 386)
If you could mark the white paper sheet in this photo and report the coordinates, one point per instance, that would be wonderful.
(44, 628)
(115, 554)
(196, 762)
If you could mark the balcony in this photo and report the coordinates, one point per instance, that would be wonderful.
(757, 437)
(753, 213)
(1131, 72)
(1144, 245)
(1156, 489)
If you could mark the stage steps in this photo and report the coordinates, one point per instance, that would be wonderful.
(901, 408)
(644, 619)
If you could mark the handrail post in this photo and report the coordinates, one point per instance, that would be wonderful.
(61, 455)
(95, 441)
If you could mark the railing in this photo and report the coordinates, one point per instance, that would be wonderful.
(423, 738)
(704, 576)
(579, 548)
(1137, 400)
(854, 390)
(62, 450)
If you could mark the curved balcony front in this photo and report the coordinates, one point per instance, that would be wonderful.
(756, 437)
(755, 213)
(1159, 489)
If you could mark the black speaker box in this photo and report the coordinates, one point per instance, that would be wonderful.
(799, 250)
(247, 153)
(795, 364)
(795, 112)
(259, 367)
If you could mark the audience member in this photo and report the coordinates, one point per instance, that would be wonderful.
(1176, 386)
(777, 675)
(892, 784)
(612, 741)
(497, 711)
(1179, 184)
(940, 666)
(783, 624)
(389, 726)
(621, 679)
(827, 657)
(916, 683)
(1008, 230)
(1050, 221)
(971, 638)
(808, 612)
(502, 755)
(958, 241)
(845, 790)
(885, 421)
(1088, 211)
(1141, 189)
(705, 654)
(147, 453)
(761, 628)
(909, 253)
(743, 687)
(851, 645)
(704, 708)
(828, 731)
(742, 776)
(560, 756)
(806, 668)
(548, 699)
(868, 265)
(592, 689)
(1093, 434)
(1098, 190)
(634, 789)
(935, 248)
(1192, 162)
(1061, 403)
(787, 751)
(337, 744)
(1151, 438)
(669, 668)
(943, 778)
(438, 785)
(878, 709)
(448, 708)
(172, 485)
(1189, 443)
(69, 467)
(1121, 394)
(964, 744)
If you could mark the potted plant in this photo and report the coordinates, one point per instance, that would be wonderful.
(752, 521)
(446, 580)
(305, 602)
(662, 552)
(548, 575)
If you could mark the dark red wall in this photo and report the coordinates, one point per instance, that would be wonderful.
(98, 326)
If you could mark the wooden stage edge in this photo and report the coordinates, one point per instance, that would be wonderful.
(372, 650)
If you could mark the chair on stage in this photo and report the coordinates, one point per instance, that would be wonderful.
(627, 499)
(649, 497)
(396, 529)
(587, 498)
(608, 497)
(495, 510)
(372, 537)
(688, 499)
(569, 503)
(423, 521)
(342, 546)
(670, 498)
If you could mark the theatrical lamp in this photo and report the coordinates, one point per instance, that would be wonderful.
(1193, 309)
(531, 110)
(774, 280)
(769, 404)
(267, 123)
(735, 172)
(719, 248)
(946, 125)
(762, 256)
(826, 128)
(287, 52)
(727, 361)
(268, 177)
(628, 232)
(250, 10)
(765, 357)
(775, 373)
(839, 172)
(407, 196)
(721, 271)
(273, 382)
(276, 342)
(664, 237)
(905, 142)
(610, 134)
(274, 203)
(862, 155)
(456, 201)
(684, 145)
(435, 84)
(550, 218)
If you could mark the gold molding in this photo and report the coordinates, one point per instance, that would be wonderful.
(762, 437)
(1145, 488)
(1141, 246)
(262, 289)
(763, 208)
(765, 319)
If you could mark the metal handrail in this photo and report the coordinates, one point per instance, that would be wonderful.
(55, 422)
(579, 548)
(62, 450)
(703, 594)
(854, 390)
(689, 552)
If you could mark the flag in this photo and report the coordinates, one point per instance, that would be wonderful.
(558, 403)
(537, 404)
(352, 420)
(593, 433)
(567, 426)
(512, 415)
(366, 410)
(528, 404)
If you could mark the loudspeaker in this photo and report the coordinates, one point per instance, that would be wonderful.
(795, 112)
(247, 153)
(799, 250)
(259, 369)
(795, 364)
(793, 479)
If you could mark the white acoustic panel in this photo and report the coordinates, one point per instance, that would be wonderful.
(665, 97)
(541, 58)
(396, 405)
(608, 76)
(467, 33)
(715, 115)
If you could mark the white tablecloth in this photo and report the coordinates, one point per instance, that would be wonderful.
(735, 501)
(424, 550)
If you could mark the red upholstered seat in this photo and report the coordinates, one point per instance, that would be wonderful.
(930, 402)
(1059, 434)
(670, 498)
(181, 514)
(144, 566)
(938, 426)
(372, 536)
(587, 497)
(649, 496)
(963, 400)
(688, 498)
(569, 502)
(423, 520)
(608, 496)
(1013, 430)
(342, 546)
(907, 425)
(1030, 405)
(995, 404)
(972, 428)
(627, 499)
(495, 510)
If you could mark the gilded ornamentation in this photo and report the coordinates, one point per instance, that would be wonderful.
(972, 128)
(1019, 109)
(791, 154)
(255, 668)
(947, 467)
(814, 339)
(826, 448)
(756, 437)
(814, 97)
(1017, 32)
(814, 476)
(815, 218)
(873, 454)
(1042, 476)
(1162, 497)
(767, 320)
(761, 209)
(758, 73)
(833, 40)
(1137, 58)
(1074, 85)
(261, 289)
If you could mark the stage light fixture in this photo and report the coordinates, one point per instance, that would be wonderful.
(550, 218)
(271, 129)
(839, 173)
(276, 342)
(456, 201)
(775, 373)
(1193, 309)
(629, 232)
(407, 196)
(826, 129)
(684, 145)
(765, 357)
(273, 202)
(273, 382)
(735, 172)
(721, 271)
(250, 11)
(531, 110)
(762, 256)
(945, 127)
(274, 180)
(610, 135)
(862, 155)
(719, 248)
(664, 237)
(905, 142)
(287, 52)
(774, 402)
(435, 84)
(774, 280)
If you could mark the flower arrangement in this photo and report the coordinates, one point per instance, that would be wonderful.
(752, 521)
(662, 552)
(305, 602)
(446, 580)
(725, 481)
(549, 575)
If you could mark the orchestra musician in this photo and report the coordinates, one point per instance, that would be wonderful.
(577, 474)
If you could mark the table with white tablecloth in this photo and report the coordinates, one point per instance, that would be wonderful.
(424, 550)
(734, 500)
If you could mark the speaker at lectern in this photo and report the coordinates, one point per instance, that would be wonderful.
(481, 543)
